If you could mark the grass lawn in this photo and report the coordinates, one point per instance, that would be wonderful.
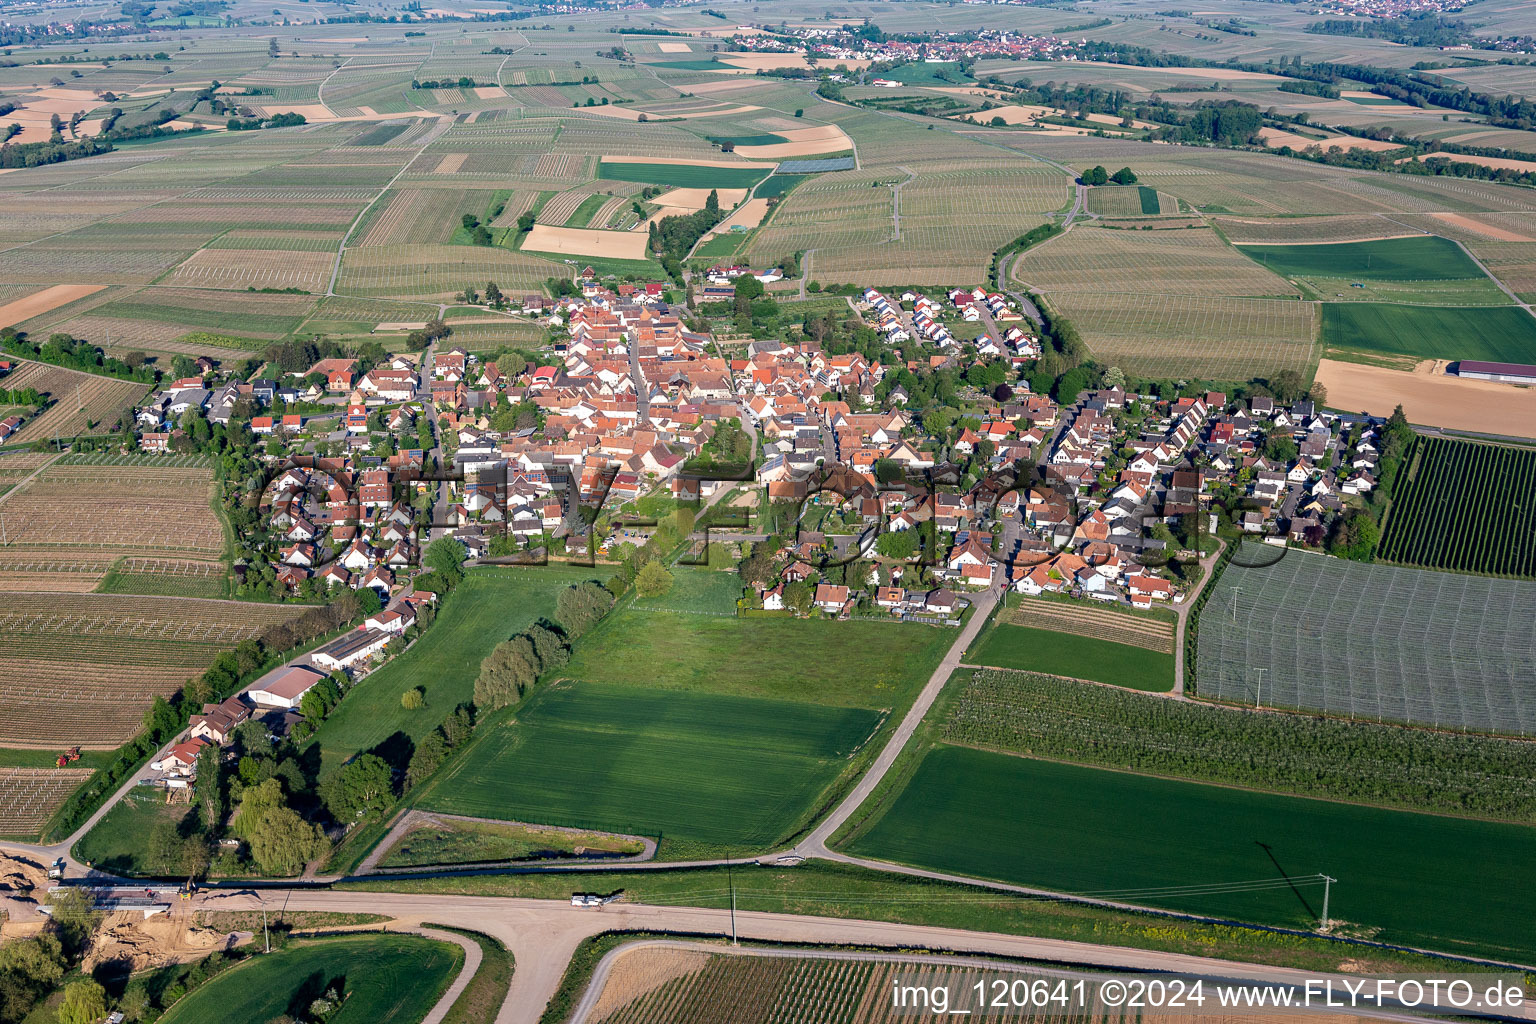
(700, 767)
(864, 664)
(696, 589)
(1440, 883)
(489, 606)
(120, 840)
(390, 979)
(1420, 258)
(582, 217)
(1004, 645)
(454, 841)
(683, 175)
(1499, 334)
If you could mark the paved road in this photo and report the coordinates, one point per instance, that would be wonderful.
(815, 844)
(543, 934)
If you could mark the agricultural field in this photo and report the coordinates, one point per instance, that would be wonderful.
(866, 664)
(1421, 269)
(29, 796)
(686, 174)
(690, 766)
(1411, 333)
(1129, 201)
(166, 577)
(1444, 883)
(489, 606)
(1020, 639)
(1171, 335)
(439, 272)
(1194, 261)
(80, 403)
(83, 667)
(1372, 642)
(1464, 506)
(671, 983)
(387, 978)
(144, 505)
(1303, 755)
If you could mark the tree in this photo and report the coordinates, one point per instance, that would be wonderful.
(727, 146)
(549, 646)
(282, 842)
(361, 785)
(493, 294)
(799, 595)
(525, 223)
(1124, 176)
(207, 786)
(413, 698)
(29, 968)
(897, 544)
(1288, 386)
(1095, 176)
(445, 556)
(1114, 377)
(506, 673)
(1318, 392)
(73, 918)
(653, 580)
(84, 1002)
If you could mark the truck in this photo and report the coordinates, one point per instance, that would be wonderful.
(592, 899)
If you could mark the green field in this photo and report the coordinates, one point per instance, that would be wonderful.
(1443, 883)
(682, 175)
(696, 589)
(1499, 333)
(1150, 201)
(1005, 645)
(865, 664)
(120, 840)
(1420, 258)
(583, 214)
(388, 979)
(922, 73)
(764, 139)
(456, 841)
(701, 767)
(489, 606)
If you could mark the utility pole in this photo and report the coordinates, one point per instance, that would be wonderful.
(731, 883)
(1327, 885)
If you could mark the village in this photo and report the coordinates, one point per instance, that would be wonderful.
(632, 409)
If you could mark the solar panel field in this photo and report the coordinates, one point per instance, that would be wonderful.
(1374, 642)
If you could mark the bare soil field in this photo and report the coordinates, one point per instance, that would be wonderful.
(696, 198)
(1275, 138)
(40, 302)
(613, 245)
(1487, 161)
(802, 142)
(1431, 398)
(1483, 228)
(749, 216)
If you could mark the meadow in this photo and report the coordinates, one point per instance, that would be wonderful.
(876, 665)
(1465, 506)
(692, 766)
(1417, 879)
(682, 175)
(490, 605)
(1005, 645)
(1389, 643)
(1494, 333)
(1415, 258)
(388, 979)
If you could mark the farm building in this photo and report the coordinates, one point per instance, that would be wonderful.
(181, 758)
(1510, 373)
(287, 689)
(351, 649)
